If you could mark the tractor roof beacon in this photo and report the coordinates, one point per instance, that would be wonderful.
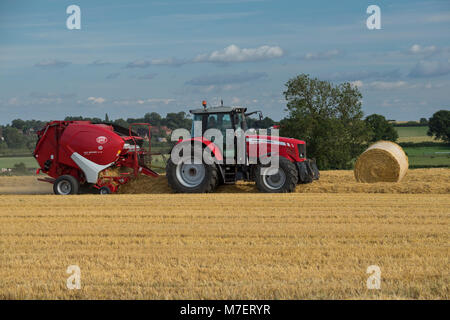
(188, 176)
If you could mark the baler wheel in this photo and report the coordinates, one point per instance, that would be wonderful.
(65, 185)
(104, 190)
(284, 180)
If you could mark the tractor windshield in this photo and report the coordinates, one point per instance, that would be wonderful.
(220, 121)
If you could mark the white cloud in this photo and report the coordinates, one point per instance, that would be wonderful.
(13, 101)
(418, 49)
(52, 64)
(155, 62)
(233, 53)
(235, 100)
(229, 54)
(357, 83)
(100, 62)
(364, 74)
(148, 76)
(138, 64)
(165, 101)
(167, 62)
(444, 17)
(322, 55)
(426, 68)
(224, 79)
(95, 100)
(388, 85)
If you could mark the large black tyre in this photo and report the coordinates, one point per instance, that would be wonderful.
(306, 174)
(178, 177)
(284, 180)
(66, 185)
(315, 170)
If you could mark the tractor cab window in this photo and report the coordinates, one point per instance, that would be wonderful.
(197, 117)
(239, 121)
(220, 121)
(211, 122)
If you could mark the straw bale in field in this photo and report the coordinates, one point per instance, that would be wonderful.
(383, 161)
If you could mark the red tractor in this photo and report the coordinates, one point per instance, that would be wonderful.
(83, 155)
(189, 174)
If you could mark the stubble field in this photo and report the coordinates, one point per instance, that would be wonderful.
(236, 244)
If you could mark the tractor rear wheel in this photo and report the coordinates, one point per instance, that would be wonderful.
(283, 180)
(65, 185)
(190, 177)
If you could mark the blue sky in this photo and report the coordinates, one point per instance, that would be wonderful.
(133, 57)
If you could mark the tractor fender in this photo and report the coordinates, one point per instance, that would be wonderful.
(269, 154)
(206, 144)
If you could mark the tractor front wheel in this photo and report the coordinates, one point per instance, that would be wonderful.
(65, 185)
(190, 177)
(282, 179)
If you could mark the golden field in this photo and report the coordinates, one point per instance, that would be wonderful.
(235, 244)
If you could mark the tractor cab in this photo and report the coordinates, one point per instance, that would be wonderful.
(221, 118)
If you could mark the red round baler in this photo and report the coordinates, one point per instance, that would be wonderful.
(74, 153)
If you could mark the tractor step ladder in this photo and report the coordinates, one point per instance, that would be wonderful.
(230, 175)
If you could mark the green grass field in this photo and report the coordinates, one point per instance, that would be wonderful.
(423, 156)
(414, 134)
(9, 162)
(428, 156)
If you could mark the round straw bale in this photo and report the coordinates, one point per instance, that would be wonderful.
(383, 161)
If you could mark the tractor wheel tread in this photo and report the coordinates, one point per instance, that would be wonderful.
(291, 178)
(208, 186)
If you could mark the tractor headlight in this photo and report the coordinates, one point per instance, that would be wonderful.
(301, 150)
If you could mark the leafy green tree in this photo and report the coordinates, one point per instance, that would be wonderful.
(380, 128)
(14, 138)
(18, 124)
(178, 120)
(121, 122)
(72, 118)
(328, 117)
(153, 118)
(259, 124)
(423, 121)
(439, 125)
